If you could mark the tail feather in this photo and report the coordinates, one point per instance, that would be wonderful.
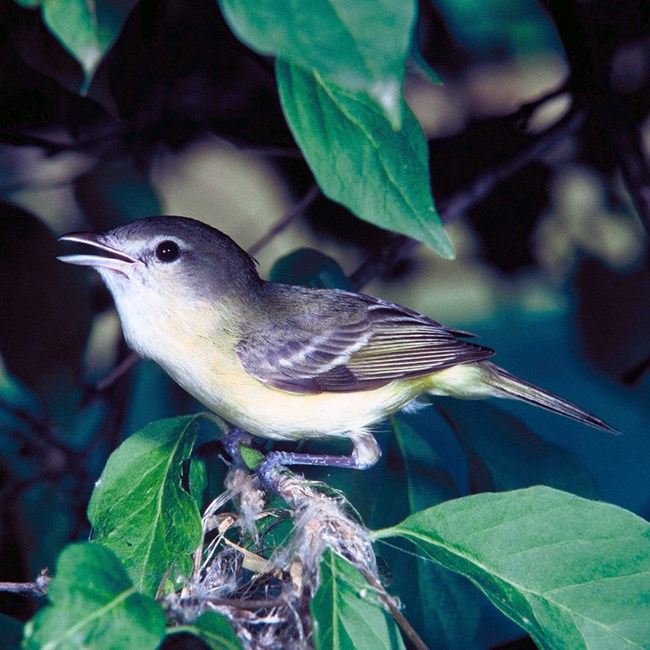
(506, 385)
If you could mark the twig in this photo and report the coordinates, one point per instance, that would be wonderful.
(526, 111)
(400, 619)
(249, 604)
(36, 588)
(10, 493)
(52, 147)
(40, 425)
(163, 581)
(480, 187)
(634, 374)
(117, 393)
(272, 152)
(633, 161)
(280, 225)
(399, 246)
(45, 437)
(111, 378)
(590, 60)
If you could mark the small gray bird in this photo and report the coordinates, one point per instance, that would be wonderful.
(279, 361)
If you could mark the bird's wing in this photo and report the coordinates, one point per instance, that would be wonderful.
(359, 344)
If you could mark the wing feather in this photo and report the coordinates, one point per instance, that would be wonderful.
(342, 341)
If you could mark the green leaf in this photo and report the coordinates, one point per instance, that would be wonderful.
(29, 4)
(94, 605)
(139, 509)
(573, 573)
(86, 29)
(442, 606)
(427, 481)
(382, 175)
(213, 629)
(347, 612)
(360, 45)
(310, 268)
(505, 455)
(198, 480)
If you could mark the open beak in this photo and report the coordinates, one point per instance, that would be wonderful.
(113, 258)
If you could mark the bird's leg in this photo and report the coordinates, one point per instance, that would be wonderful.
(232, 442)
(365, 454)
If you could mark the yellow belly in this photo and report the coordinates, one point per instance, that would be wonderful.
(269, 413)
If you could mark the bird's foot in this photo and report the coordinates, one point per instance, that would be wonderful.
(365, 454)
(232, 442)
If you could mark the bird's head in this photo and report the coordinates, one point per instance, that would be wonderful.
(166, 271)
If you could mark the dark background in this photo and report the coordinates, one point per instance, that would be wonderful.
(544, 201)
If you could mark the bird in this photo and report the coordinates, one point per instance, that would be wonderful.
(285, 362)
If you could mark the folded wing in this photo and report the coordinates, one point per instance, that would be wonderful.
(350, 342)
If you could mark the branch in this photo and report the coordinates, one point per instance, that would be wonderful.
(312, 194)
(396, 249)
(482, 186)
(634, 374)
(634, 163)
(107, 382)
(635, 169)
(399, 246)
(40, 433)
(590, 59)
(52, 147)
(36, 588)
(400, 619)
(114, 389)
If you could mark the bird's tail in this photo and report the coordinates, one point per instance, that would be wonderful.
(506, 385)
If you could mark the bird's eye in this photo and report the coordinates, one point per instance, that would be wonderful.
(168, 251)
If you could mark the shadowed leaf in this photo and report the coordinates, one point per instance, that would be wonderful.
(45, 315)
(441, 605)
(505, 455)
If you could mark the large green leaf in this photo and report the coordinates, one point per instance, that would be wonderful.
(94, 605)
(347, 613)
(361, 45)
(139, 508)
(573, 573)
(359, 160)
(86, 29)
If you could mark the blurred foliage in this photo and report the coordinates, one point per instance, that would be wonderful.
(44, 326)
(311, 269)
(101, 102)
